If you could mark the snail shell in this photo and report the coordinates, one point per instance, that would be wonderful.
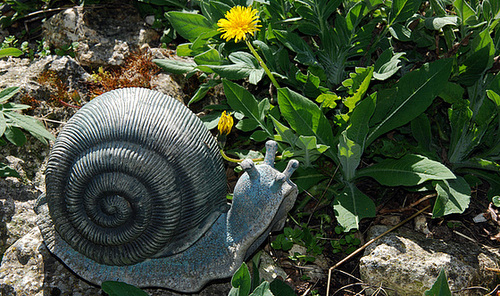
(134, 175)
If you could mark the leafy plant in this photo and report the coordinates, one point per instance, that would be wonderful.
(440, 286)
(11, 123)
(113, 288)
(352, 86)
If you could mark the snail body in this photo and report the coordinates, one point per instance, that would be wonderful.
(136, 192)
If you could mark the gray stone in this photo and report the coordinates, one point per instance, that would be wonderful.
(105, 35)
(407, 262)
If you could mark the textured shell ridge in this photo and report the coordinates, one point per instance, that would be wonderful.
(153, 147)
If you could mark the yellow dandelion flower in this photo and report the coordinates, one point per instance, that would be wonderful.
(239, 22)
(225, 123)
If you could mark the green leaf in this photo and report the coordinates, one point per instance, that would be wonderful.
(284, 133)
(438, 22)
(29, 124)
(280, 288)
(191, 25)
(209, 57)
(360, 117)
(465, 12)
(6, 171)
(453, 197)
(10, 52)
(3, 124)
(243, 101)
(401, 10)
(15, 135)
(306, 118)
(410, 170)
(349, 156)
(351, 206)
(440, 286)
(414, 94)
(203, 90)
(309, 150)
(174, 66)
(421, 131)
(8, 93)
(328, 100)
(387, 64)
(121, 289)
(296, 44)
(241, 282)
(245, 65)
(357, 86)
(262, 290)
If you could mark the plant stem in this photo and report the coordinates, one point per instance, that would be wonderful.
(230, 159)
(262, 64)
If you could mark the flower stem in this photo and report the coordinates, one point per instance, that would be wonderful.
(262, 64)
(230, 159)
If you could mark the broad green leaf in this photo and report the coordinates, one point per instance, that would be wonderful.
(494, 97)
(262, 290)
(10, 52)
(245, 65)
(6, 171)
(465, 12)
(349, 156)
(453, 197)
(243, 101)
(306, 118)
(184, 50)
(241, 282)
(280, 288)
(247, 124)
(209, 57)
(421, 131)
(410, 170)
(451, 92)
(8, 93)
(191, 25)
(121, 289)
(438, 22)
(359, 120)
(415, 92)
(29, 124)
(15, 135)
(174, 66)
(296, 44)
(351, 206)
(285, 134)
(440, 286)
(309, 150)
(387, 64)
(401, 10)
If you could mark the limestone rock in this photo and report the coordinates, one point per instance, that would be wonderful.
(408, 263)
(104, 35)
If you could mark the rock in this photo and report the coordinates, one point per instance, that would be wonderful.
(268, 269)
(28, 268)
(25, 74)
(105, 35)
(407, 263)
(316, 270)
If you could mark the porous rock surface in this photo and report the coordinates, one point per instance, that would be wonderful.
(103, 34)
(406, 262)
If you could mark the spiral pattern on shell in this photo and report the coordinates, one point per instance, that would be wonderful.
(134, 175)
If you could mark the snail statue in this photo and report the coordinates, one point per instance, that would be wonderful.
(136, 192)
